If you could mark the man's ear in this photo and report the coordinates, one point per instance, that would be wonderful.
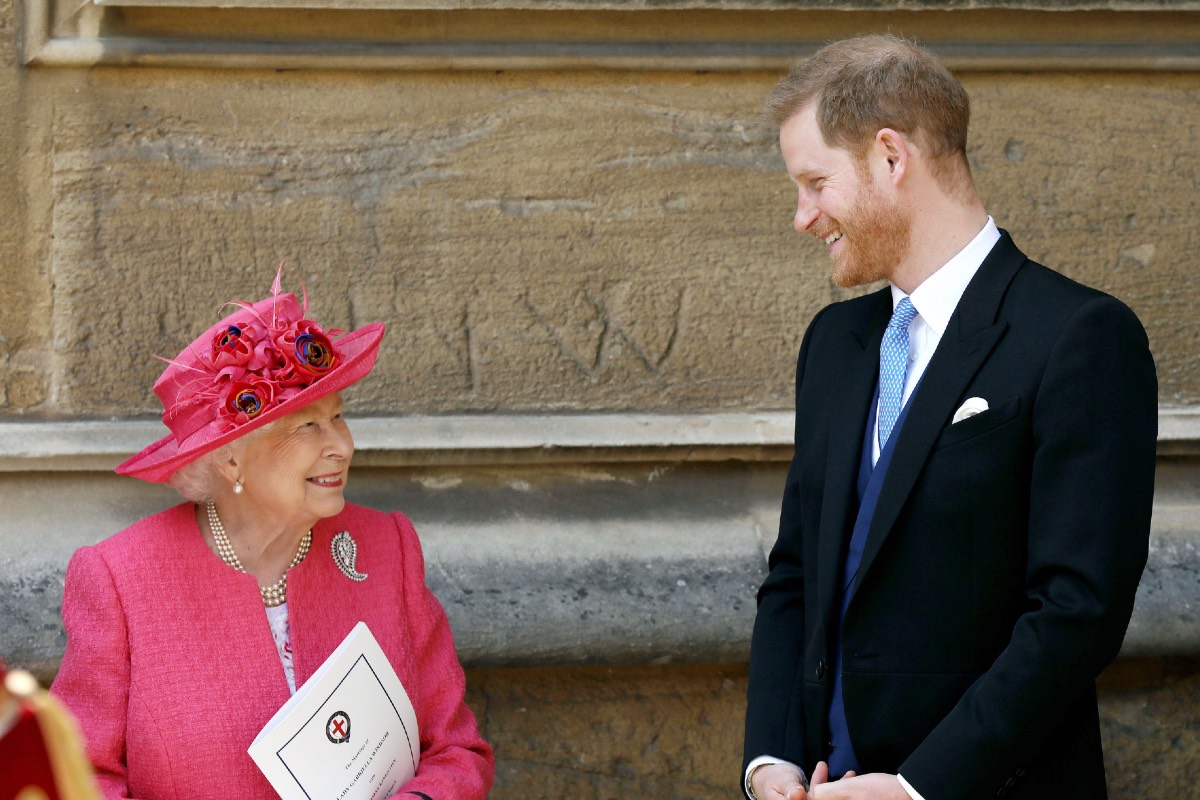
(892, 152)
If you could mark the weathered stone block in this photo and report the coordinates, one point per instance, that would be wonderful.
(542, 241)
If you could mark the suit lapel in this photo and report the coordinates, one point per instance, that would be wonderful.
(851, 392)
(970, 336)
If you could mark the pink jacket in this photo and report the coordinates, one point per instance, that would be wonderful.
(171, 669)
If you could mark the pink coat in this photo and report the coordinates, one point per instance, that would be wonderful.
(171, 670)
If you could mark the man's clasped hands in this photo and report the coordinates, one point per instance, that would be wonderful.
(783, 782)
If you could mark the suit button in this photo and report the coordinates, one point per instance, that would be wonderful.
(821, 670)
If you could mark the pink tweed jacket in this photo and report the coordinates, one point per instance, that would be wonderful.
(171, 670)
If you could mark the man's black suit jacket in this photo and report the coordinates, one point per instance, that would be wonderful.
(1000, 568)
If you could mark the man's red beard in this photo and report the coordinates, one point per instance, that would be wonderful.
(876, 235)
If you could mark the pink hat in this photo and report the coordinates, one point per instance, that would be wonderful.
(258, 364)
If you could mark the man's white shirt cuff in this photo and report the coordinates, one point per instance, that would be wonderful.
(762, 761)
(908, 788)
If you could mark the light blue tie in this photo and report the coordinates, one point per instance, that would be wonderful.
(893, 367)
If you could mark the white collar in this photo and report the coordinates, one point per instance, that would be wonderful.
(938, 295)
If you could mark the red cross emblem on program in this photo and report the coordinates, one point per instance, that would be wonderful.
(337, 729)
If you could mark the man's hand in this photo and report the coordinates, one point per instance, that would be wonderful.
(779, 782)
(873, 786)
(821, 773)
(783, 782)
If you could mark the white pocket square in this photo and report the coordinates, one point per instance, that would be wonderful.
(970, 408)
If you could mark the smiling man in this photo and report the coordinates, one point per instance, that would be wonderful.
(966, 516)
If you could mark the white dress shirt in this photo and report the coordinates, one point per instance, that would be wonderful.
(935, 300)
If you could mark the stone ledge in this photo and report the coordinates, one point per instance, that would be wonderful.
(634, 56)
(625, 5)
(1136, 35)
(99, 445)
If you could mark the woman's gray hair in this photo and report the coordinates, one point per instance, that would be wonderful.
(201, 480)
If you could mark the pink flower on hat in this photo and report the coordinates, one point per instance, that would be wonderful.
(247, 398)
(238, 348)
(303, 353)
(255, 366)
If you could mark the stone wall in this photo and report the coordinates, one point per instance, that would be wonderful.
(640, 209)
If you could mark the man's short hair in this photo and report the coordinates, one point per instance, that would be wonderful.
(863, 84)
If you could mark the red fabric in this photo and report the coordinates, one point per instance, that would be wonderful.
(171, 670)
(24, 760)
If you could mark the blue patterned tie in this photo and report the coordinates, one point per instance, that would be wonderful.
(893, 367)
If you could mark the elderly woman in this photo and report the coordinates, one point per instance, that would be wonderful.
(188, 630)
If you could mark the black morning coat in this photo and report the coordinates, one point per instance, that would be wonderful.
(1000, 567)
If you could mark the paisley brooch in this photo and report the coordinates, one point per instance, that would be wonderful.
(345, 553)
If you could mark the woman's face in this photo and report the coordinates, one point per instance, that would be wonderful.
(295, 471)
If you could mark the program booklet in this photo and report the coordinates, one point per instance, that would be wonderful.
(349, 733)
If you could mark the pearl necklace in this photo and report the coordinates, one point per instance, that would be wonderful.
(276, 593)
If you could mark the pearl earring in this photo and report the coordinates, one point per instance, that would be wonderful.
(237, 487)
